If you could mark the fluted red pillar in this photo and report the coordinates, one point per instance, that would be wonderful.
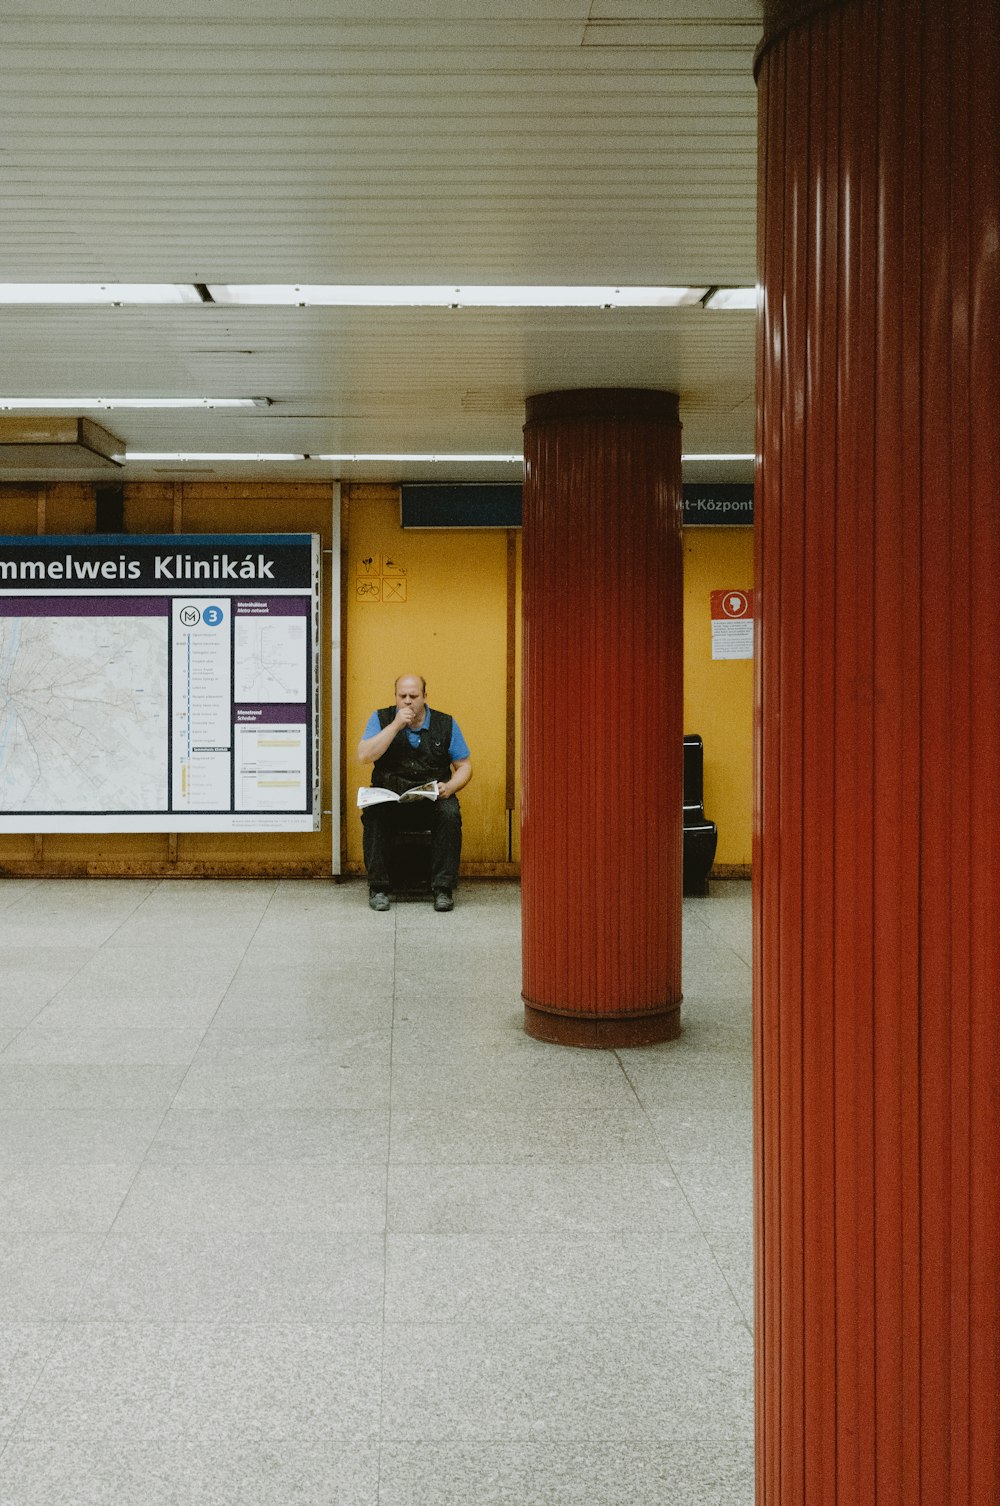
(877, 937)
(602, 767)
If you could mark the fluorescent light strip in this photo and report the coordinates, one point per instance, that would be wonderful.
(448, 295)
(429, 459)
(378, 295)
(99, 292)
(11, 404)
(182, 457)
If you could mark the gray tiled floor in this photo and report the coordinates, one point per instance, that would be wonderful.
(291, 1209)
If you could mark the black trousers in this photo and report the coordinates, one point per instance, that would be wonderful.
(442, 818)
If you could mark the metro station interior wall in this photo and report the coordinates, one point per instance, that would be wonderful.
(452, 628)
(718, 693)
(189, 507)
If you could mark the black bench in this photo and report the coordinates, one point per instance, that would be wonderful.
(700, 836)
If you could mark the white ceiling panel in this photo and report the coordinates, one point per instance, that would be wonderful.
(415, 141)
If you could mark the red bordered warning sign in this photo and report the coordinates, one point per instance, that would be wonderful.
(732, 624)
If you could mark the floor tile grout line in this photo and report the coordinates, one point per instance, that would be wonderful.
(684, 1193)
(15, 1424)
(385, 1220)
(348, 1439)
(29, 885)
(19, 1031)
(73, 976)
(157, 885)
(611, 1324)
(747, 1319)
(243, 957)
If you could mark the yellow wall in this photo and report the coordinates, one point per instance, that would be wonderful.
(718, 694)
(452, 629)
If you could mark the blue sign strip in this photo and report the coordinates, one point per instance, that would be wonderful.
(706, 504)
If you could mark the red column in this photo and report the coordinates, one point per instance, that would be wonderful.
(877, 938)
(603, 734)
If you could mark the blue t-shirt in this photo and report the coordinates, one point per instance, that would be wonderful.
(458, 748)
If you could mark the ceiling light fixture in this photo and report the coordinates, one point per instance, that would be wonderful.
(427, 459)
(182, 457)
(441, 295)
(378, 295)
(98, 292)
(27, 404)
(381, 295)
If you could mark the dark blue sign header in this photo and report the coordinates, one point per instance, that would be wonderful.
(710, 504)
(499, 505)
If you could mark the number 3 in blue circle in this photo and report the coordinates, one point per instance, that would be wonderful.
(212, 616)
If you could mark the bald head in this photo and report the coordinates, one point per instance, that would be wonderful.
(411, 691)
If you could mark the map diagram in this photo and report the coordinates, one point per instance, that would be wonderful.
(270, 659)
(83, 713)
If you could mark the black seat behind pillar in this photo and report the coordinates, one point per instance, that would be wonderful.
(700, 835)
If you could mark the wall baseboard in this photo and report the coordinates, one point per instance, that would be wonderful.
(28, 868)
(69, 868)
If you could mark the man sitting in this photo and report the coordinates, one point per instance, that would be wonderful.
(410, 744)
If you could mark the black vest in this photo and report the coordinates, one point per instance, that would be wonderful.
(402, 766)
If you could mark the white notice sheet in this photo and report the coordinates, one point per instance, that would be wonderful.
(271, 765)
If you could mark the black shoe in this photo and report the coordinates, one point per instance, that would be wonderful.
(378, 900)
(443, 900)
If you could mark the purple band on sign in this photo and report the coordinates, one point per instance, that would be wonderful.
(272, 606)
(84, 606)
(270, 713)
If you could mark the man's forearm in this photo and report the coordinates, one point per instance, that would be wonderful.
(461, 773)
(372, 748)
